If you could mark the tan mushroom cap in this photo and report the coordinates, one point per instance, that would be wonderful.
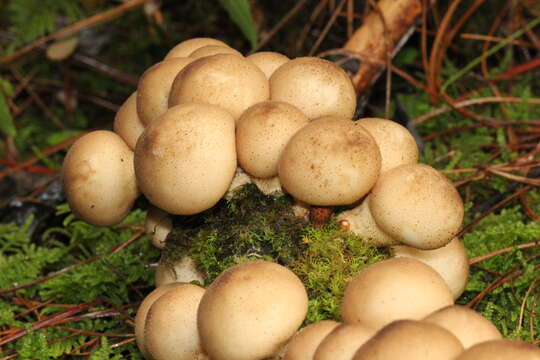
(157, 226)
(170, 330)
(359, 221)
(330, 161)
(250, 311)
(154, 88)
(394, 289)
(262, 132)
(395, 142)
(127, 123)
(268, 61)
(466, 324)
(342, 342)
(303, 345)
(316, 86)
(183, 271)
(417, 205)
(186, 159)
(229, 81)
(186, 47)
(142, 311)
(410, 340)
(450, 261)
(210, 50)
(98, 178)
(501, 350)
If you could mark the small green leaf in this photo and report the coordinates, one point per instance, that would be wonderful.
(240, 14)
(6, 120)
(6, 88)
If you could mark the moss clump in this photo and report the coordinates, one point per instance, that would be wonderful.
(254, 226)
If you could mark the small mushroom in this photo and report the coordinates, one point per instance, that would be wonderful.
(170, 330)
(183, 271)
(303, 345)
(127, 123)
(417, 206)
(270, 186)
(157, 226)
(250, 311)
(98, 178)
(467, 325)
(268, 61)
(393, 289)
(316, 86)
(186, 47)
(410, 340)
(395, 142)
(330, 161)
(154, 88)
(262, 132)
(342, 342)
(210, 50)
(501, 350)
(229, 81)
(450, 261)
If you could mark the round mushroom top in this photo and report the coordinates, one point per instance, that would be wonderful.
(98, 178)
(127, 123)
(342, 342)
(304, 344)
(185, 48)
(395, 142)
(450, 261)
(250, 311)
(394, 289)
(229, 81)
(410, 340)
(186, 159)
(501, 350)
(417, 205)
(268, 61)
(210, 50)
(330, 161)
(316, 86)
(154, 88)
(262, 132)
(469, 326)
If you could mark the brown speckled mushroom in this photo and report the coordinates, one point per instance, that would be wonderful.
(127, 123)
(98, 178)
(316, 86)
(250, 311)
(210, 50)
(410, 340)
(342, 342)
(331, 161)
(467, 325)
(229, 81)
(268, 61)
(393, 289)
(305, 342)
(450, 261)
(186, 47)
(501, 350)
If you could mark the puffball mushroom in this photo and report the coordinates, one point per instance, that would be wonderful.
(229, 81)
(268, 61)
(210, 50)
(395, 142)
(501, 350)
(186, 159)
(185, 48)
(303, 345)
(127, 123)
(183, 271)
(342, 342)
(98, 178)
(450, 261)
(142, 311)
(410, 340)
(330, 161)
(170, 330)
(262, 132)
(157, 226)
(316, 86)
(393, 289)
(417, 206)
(250, 311)
(467, 325)
(154, 88)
